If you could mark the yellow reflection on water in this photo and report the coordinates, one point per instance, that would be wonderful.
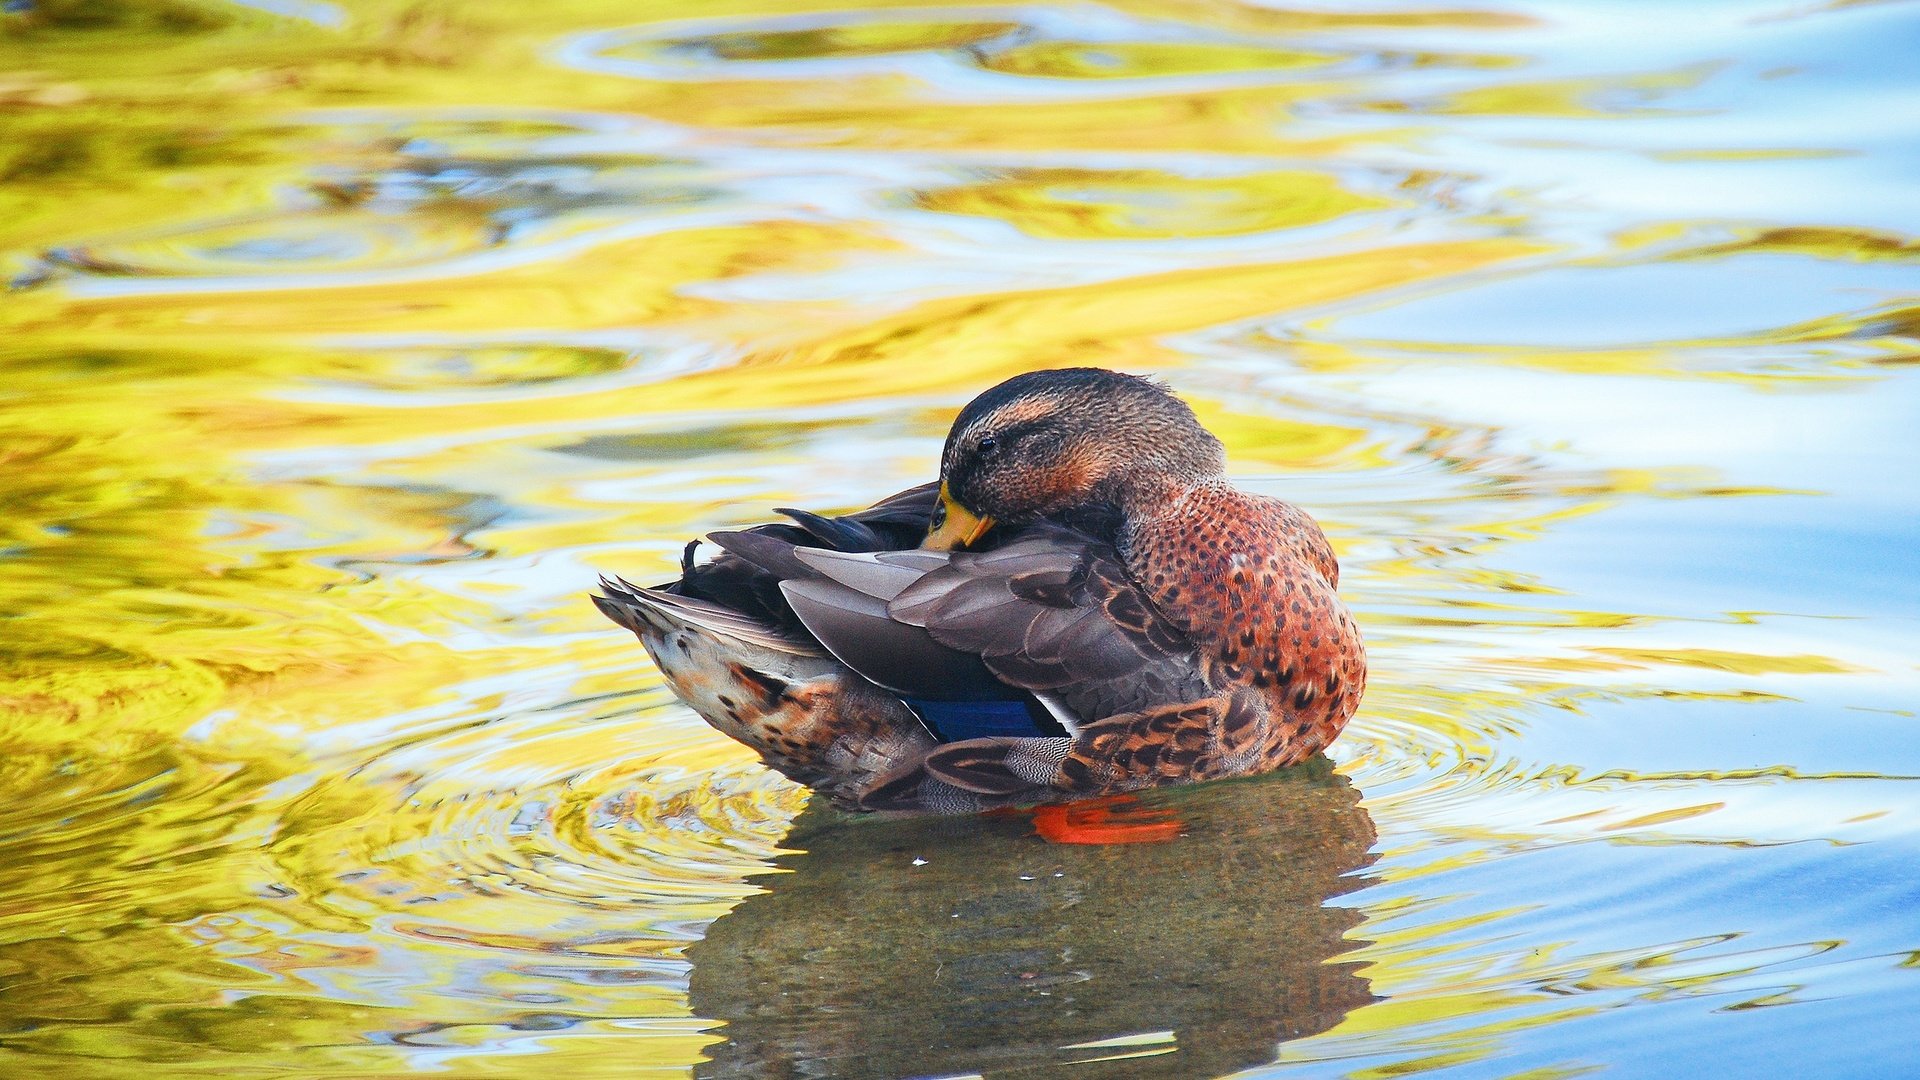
(1086, 204)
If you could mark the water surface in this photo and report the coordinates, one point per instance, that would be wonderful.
(347, 342)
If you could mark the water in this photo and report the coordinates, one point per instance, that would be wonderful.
(348, 342)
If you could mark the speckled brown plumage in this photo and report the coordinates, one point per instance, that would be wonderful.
(1252, 580)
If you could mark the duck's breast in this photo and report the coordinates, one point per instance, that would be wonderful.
(1253, 582)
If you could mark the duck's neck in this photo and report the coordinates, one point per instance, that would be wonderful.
(1149, 499)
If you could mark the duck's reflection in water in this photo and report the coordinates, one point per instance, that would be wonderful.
(936, 946)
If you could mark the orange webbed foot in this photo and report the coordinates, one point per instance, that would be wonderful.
(1109, 819)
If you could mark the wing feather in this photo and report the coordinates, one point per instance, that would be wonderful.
(1056, 611)
(903, 658)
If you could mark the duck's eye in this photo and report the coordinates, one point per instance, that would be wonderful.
(988, 445)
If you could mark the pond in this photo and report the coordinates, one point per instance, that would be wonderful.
(346, 343)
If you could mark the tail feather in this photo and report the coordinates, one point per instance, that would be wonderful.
(657, 611)
(786, 697)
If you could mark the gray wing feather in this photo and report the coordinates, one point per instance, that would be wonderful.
(864, 573)
(1057, 612)
(769, 553)
(906, 659)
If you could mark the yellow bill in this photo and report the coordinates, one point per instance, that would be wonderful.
(954, 526)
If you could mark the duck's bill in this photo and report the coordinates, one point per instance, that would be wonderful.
(954, 526)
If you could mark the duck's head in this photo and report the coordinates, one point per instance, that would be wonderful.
(1049, 444)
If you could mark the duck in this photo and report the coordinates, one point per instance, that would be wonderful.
(1082, 605)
